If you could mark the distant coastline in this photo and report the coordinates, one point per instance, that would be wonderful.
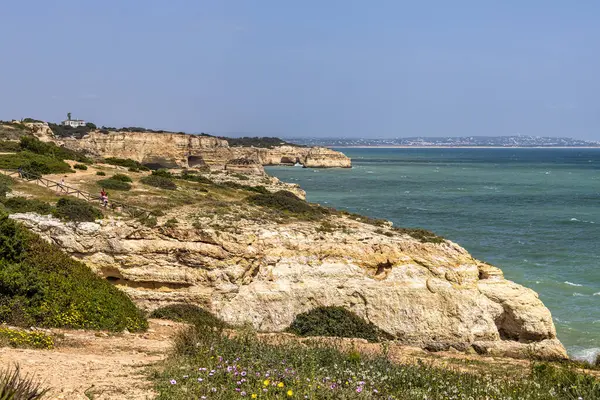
(464, 147)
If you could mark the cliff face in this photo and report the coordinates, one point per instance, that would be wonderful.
(425, 294)
(181, 150)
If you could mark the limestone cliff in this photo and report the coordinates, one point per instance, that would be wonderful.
(433, 295)
(182, 150)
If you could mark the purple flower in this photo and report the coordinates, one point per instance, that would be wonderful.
(200, 379)
(243, 393)
(359, 389)
(243, 373)
(375, 391)
(173, 382)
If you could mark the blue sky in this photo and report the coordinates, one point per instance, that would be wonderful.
(307, 68)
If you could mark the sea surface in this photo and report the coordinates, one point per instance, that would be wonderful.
(535, 213)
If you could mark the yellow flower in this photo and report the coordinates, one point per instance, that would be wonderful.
(266, 382)
(254, 395)
(280, 384)
(289, 392)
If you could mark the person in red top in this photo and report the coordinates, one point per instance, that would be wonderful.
(104, 197)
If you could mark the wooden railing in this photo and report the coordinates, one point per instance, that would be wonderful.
(131, 211)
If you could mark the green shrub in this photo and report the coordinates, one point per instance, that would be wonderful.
(257, 189)
(288, 203)
(24, 205)
(159, 181)
(334, 321)
(133, 169)
(9, 146)
(82, 167)
(6, 183)
(34, 163)
(162, 172)
(121, 177)
(241, 177)
(25, 339)
(171, 223)
(100, 173)
(34, 145)
(150, 222)
(42, 286)
(126, 162)
(422, 235)
(188, 313)
(114, 184)
(72, 209)
(195, 178)
(13, 386)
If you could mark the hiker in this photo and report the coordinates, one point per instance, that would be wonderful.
(104, 197)
(61, 185)
(20, 170)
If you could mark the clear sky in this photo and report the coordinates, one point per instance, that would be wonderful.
(307, 68)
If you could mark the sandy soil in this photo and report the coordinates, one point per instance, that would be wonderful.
(92, 365)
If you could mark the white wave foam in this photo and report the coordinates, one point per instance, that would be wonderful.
(587, 355)
(579, 294)
(572, 284)
(574, 219)
(597, 294)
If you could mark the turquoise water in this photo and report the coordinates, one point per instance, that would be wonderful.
(535, 213)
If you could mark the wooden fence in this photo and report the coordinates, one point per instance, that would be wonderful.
(129, 210)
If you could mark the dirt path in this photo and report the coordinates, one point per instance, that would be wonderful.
(87, 366)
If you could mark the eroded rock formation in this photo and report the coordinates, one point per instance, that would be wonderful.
(181, 150)
(426, 294)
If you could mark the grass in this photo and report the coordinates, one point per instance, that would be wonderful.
(188, 313)
(127, 163)
(241, 365)
(42, 286)
(14, 386)
(159, 181)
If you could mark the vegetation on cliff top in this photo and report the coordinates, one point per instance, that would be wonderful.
(265, 142)
(207, 363)
(42, 286)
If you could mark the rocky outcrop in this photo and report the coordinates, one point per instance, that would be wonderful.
(182, 150)
(435, 296)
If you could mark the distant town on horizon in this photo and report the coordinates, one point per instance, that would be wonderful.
(464, 141)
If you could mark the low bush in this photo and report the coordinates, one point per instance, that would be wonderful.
(34, 145)
(195, 178)
(35, 164)
(241, 177)
(126, 162)
(100, 173)
(72, 209)
(9, 146)
(159, 181)
(114, 184)
(171, 223)
(42, 286)
(334, 321)
(422, 235)
(23, 205)
(121, 177)
(6, 183)
(188, 313)
(13, 386)
(82, 167)
(258, 189)
(25, 339)
(288, 203)
(162, 172)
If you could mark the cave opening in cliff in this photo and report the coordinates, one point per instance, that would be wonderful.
(196, 161)
(290, 161)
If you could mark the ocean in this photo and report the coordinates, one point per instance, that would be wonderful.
(534, 213)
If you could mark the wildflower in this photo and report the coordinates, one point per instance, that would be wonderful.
(290, 392)
(173, 382)
(243, 373)
(280, 385)
(359, 389)
(213, 389)
(266, 382)
(243, 393)
(186, 376)
(254, 395)
(265, 390)
(200, 379)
